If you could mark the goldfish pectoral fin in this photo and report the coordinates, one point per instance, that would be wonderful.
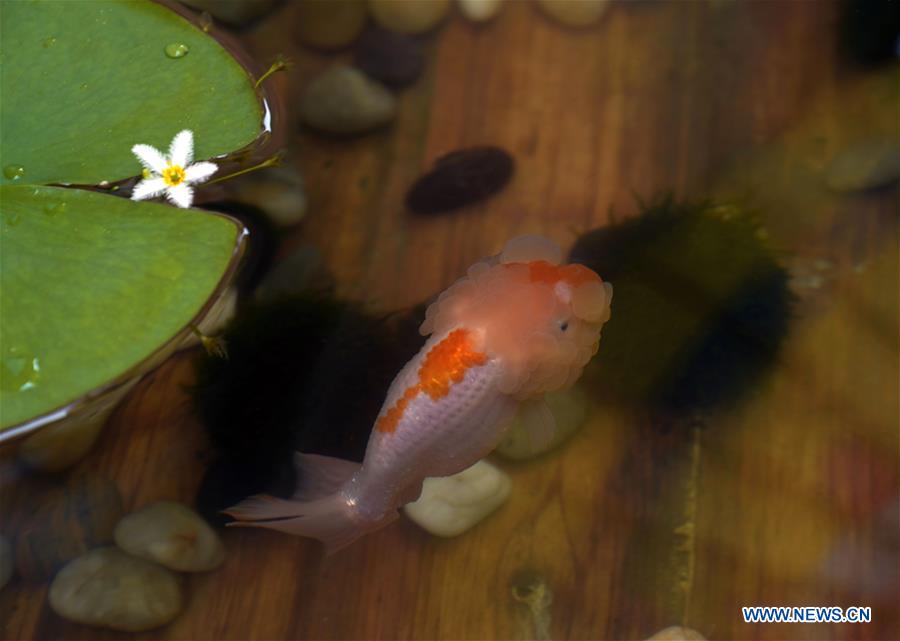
(537, 422)
(321, 475)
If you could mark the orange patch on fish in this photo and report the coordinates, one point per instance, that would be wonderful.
(445, 364)
(540, 271)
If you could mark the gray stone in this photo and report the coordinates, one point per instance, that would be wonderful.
(108, 588)
(866, 165)
(569, 408)
(171, 534)
(302, 270)
(279, 192)
(342, 100)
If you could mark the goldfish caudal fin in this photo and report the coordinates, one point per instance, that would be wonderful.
(318, 509)
(329, 519)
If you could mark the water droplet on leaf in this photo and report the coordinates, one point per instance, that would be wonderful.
(49, 41)
(176, 50)
(53, 209)
(14, 172)
(19, 370)
(12, 219)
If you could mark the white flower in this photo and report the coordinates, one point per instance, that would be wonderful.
(172, 175)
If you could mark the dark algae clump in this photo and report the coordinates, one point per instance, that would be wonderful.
(869, 31)
(701, 306)
(460, 178)
(306, 373)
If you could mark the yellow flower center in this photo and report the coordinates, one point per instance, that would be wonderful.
(173, 175)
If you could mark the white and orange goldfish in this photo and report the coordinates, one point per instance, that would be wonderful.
(516, 326)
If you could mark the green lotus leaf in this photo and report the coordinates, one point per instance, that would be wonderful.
(92, 285)
(81, 82)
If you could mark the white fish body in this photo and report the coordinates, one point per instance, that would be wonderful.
(500, 337)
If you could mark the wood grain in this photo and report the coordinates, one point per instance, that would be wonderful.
(628, 528)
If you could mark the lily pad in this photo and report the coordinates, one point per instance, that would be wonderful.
(81, 82)
(92, 285)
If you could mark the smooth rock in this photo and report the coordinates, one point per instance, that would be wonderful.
(66, 523)
(6, 561)
(569, 407)
(301, 270)
(111, 589)
(330, 24)
(867, 165)
(173, 535)
(480, 10)
(234, 12)
(342, 100)
(395, 59)
(574, 13)
(450, 505)
(677, 633)
(460, 178)
(279, 192)
(409, 16)
(60, 445)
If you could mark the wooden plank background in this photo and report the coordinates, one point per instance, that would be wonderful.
(626, 529)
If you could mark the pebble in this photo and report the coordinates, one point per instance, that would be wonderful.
(6, 561)
(480, 10)
(301, 270)
(395, 59)
(343, 101)
(677, 633)
(331, 24)
(569, 407)
(867, 165)
(111, 589)
(172, 535)
(60, 445)
(67, 522)
(450, 505)
(279, 192)
(574, 13)
(461, 178)
(409, 16)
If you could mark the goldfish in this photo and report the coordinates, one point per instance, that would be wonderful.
(517, 325)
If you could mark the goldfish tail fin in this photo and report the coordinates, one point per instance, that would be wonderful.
(329, 519)
(318, 509)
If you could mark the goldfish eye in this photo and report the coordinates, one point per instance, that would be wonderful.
(563, 325)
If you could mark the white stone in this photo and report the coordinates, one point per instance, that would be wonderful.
(677, 633)
(106, 587)
(480, 10)
(451, 505)
(170, 534)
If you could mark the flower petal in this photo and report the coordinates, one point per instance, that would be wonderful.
(150, 157)
(199, 172)
(180, 195)
(148, 188)
(181, 151)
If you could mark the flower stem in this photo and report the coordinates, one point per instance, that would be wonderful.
(271, 161)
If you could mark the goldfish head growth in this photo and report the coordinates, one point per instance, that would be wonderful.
(540, 318)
